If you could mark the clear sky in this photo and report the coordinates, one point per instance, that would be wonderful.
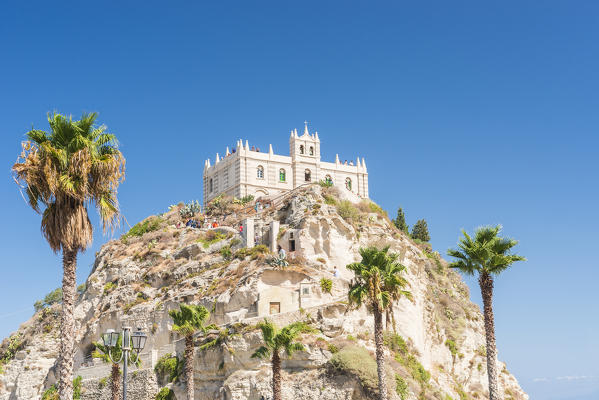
(468, 113)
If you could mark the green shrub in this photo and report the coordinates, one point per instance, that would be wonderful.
(54, 297)
(103, 382)
(226, 252)
(395, 342)
(212, 237)
(326, 285)
(348, 211)
(332, 348)
(52, 392)
(109, 287)
(358, 362)
(420, 231)
(257, 250)
(418, 371)
(245, 199)
(330, 200)
(325, 184)
(168, 366)
(404, 357)
(148, 225)
(482, 350)
(400, 221)
(140, 298)
(15, 343)
(253, 252)
(375, 208)
(165, 394)
(401, 387)
(452, 346)
(463, 395)
(77, 388)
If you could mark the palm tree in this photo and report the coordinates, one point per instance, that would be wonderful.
(377, 284)
(63, 171)
(487, 254)
(101, 352)
(275, 341)
(187, 322)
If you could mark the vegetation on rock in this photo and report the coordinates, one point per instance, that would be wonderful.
(420, 231)
(169, 368)
(357, 361)
(165, 394)
(141, 228)
(52, 392)
(326, 285)
(54, 297)
(400, 221)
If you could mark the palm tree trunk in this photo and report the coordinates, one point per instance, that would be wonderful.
(387, 319)
(67, 325)
(189, 350)
(486, 288)
(393, 321)
(276, 375)
(116, 381)
(380, 352)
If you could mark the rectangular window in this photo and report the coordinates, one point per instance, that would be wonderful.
(275, 308)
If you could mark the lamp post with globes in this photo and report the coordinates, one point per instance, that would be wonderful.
(131, 342)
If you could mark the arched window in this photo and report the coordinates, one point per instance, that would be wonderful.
(311, 150)
(260, 172)
(328, 179)
(348, 183)
(282, 175)
(211, 185)
(301, 149)
(307, 175)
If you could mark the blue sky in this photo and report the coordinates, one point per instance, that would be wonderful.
(467, 113)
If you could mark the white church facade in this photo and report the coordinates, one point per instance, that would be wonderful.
(248, 171)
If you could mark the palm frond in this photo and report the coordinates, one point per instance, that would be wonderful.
(269, 332)
(189, 319)
(64, 170)
(262, 352)
(486, 253)
(293, 347)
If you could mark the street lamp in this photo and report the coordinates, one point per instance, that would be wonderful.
(135, 342)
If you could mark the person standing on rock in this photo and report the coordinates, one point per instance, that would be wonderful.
(282, 253)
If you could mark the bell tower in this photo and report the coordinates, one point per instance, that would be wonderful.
(305, 147)
(305, 156)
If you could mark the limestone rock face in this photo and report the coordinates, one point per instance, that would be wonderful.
(438, 350)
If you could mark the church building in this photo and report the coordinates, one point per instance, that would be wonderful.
(248, 171)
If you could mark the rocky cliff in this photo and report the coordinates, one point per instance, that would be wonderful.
(438, 351)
